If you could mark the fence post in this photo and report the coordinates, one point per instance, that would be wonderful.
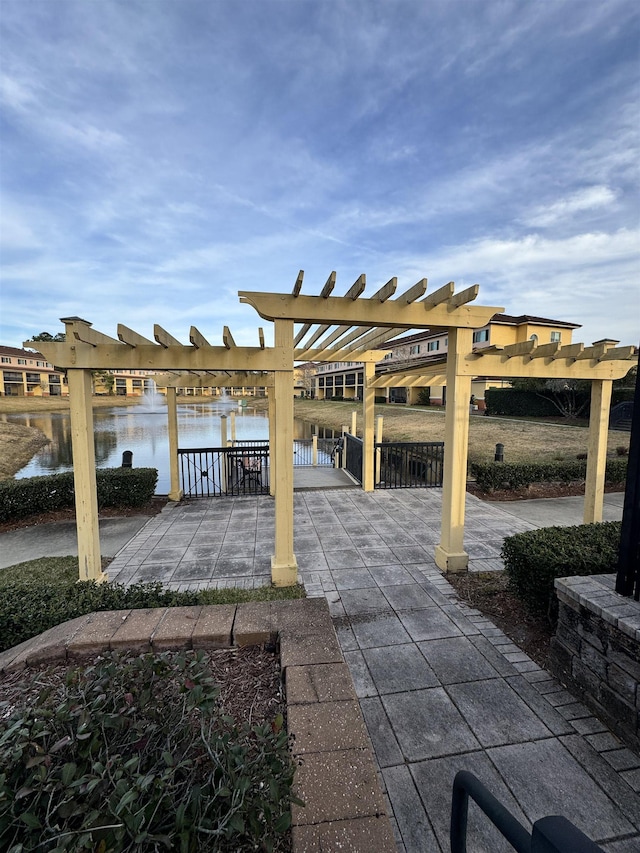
(354, 421)
(314, 450)
(233, 427)
(223, 461)
(379, 421)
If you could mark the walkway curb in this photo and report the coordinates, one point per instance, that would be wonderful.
(336, 773)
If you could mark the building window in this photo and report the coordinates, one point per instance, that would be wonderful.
(40, 363)
(432, 346)
(414, 350)
(6, 359)
(555, 337)
(533, 338)
(388, 356)
(481, 336)
(22, 361)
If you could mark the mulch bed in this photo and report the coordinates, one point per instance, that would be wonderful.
(536, 491)
(249, 680)
(488, 592)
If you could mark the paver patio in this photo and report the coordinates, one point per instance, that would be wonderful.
(440, 687)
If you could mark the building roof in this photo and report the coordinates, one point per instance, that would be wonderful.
(21, 353)
(509, 320)
(499, 319)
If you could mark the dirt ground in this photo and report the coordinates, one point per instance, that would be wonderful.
(489, 593)
(17, 445)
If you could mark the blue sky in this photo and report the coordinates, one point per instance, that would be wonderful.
(157, 157)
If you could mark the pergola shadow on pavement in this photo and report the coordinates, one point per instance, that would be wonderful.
(440, 687)
(330, 328)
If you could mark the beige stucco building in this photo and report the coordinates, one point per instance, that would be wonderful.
(345, 379)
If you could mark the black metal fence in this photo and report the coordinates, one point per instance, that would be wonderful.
(303, 452)
(409, 464)
(353, 456)
(216, 471)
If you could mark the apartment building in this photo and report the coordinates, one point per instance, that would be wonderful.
(345, 379)
(25, 373)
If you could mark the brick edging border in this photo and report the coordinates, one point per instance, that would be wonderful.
(336, 775)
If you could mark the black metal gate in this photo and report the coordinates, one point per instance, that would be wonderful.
(353, 456)
(409, 464)
(216, 471)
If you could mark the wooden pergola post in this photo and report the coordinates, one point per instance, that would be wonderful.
(368, 428)
(450, 555)
(84, 476)
(175, 492)
(272, 441)
(597, 451)
(284, 567)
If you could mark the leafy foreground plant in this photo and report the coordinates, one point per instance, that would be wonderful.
(133, 753)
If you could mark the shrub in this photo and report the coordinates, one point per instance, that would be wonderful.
(116, 487)
(534, 559)
(502, 475)
(135, 755)
(36, 596)
(516, 403)
(27, 609)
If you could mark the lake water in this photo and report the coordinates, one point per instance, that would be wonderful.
(143, 429)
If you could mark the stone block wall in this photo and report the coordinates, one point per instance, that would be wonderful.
(596, 651)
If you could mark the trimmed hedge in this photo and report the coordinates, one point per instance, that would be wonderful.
(501, 475)
(514, 402)
(117, 487)
(40, 594)
(534, 559)
(28, 609)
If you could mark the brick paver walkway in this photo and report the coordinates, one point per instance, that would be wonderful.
(441, 688)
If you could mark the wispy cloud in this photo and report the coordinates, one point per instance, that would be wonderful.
(154, 164)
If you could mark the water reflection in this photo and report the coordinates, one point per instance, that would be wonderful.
(144, 431)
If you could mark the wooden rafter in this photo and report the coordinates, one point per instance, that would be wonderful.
(197, 338)
(400, 312)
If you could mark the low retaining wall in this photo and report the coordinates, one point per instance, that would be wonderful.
(336, 773)
(596, 651)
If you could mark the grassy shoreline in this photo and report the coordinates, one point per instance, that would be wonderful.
(523, 440)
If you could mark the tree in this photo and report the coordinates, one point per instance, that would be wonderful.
(105, 378)
(47, 336)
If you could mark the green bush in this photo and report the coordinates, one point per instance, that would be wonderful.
(27, 609)
(503, 475)
(133, 754)
(43, 593)
(534, 559)
(117, 487)
(515, 403)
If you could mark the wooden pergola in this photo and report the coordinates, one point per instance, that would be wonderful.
(330, 328)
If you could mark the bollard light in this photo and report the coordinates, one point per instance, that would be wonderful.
(499, 457)
(127, 459)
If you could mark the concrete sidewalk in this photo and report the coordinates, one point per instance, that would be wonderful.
(441, 688)
(59, 539)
